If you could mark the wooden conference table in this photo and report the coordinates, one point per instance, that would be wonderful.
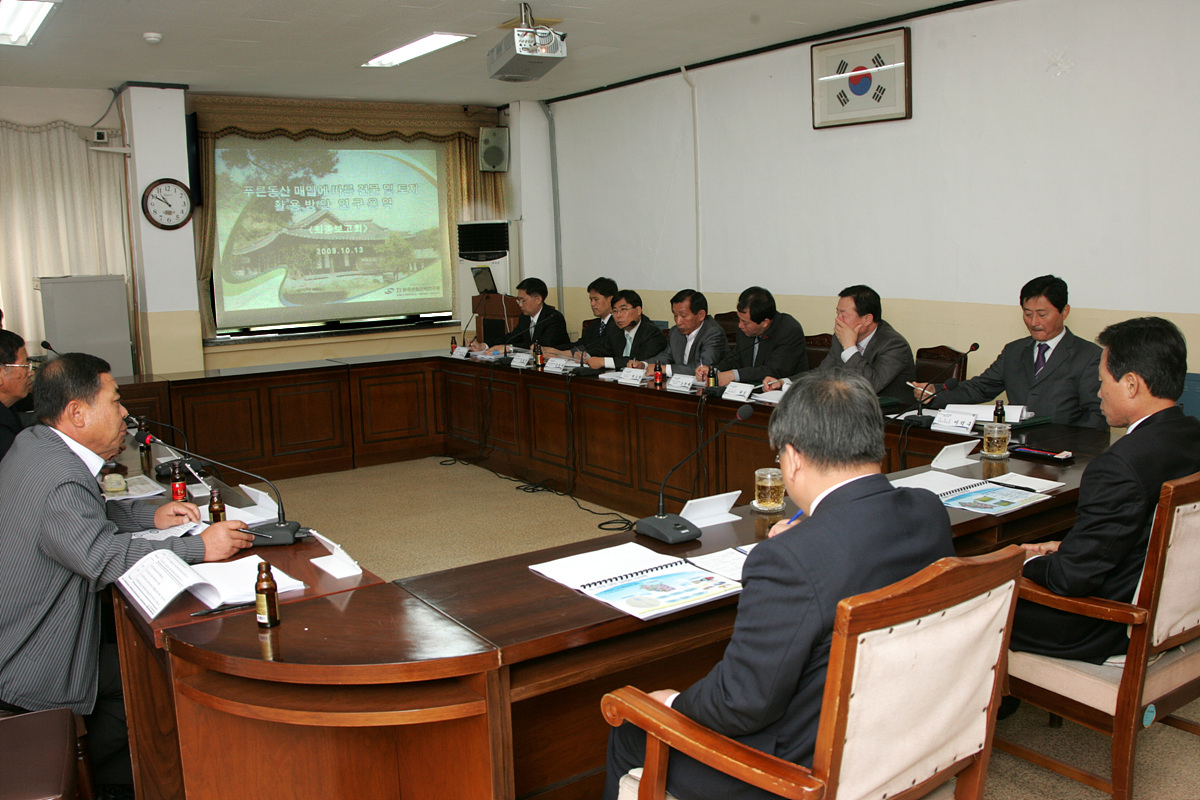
(476, 682)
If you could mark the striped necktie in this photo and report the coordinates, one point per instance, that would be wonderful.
(1039, 363)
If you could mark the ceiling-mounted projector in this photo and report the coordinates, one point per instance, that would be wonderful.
(526, 54)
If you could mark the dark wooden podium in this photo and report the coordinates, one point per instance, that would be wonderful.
(498, 315)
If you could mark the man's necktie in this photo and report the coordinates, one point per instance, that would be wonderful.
(1039, 363)
(754, 357)
(628, 345)
(600, 329)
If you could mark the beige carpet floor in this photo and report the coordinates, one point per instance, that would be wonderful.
(421, 516)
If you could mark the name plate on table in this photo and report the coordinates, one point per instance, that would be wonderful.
(681, 383)
(738, 391)
(521, 360)
(560, 365)
(461, 352)
(632, 376)
(953, 422)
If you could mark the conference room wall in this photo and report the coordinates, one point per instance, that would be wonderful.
(1036, 146)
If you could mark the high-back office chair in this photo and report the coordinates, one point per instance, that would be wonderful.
(1161, 670)
(39, 757)
(915, 673)
(728, 320)
(931, 363)
(817, 347)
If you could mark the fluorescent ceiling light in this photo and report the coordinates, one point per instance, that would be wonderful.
(434, 41)
(20, 19)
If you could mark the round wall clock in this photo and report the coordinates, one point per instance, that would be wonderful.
(167, 203)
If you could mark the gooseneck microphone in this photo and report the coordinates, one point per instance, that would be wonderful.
(46, 346)
(919, 420)
(279, 532)
(672, 528)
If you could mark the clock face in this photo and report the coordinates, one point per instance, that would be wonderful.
(167, 203)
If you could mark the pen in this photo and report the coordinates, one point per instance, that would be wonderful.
(1011, 486)
(254, 533)
(796, 516)
(222, 609)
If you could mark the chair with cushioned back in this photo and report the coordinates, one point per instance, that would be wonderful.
(38, 756)
(817, 347)
(1160, 672)
(728, 320)
(931, 364)
(915, 672)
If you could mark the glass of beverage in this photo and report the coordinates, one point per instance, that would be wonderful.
(995, 440)
(768, 489)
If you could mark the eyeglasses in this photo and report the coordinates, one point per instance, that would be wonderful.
(27, 365)
(622, 309)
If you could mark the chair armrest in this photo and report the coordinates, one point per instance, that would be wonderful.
(681, 733)
(1094, 607)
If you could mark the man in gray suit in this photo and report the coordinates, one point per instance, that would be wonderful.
(865, 343)
(696, 338)
(1051, 371)
(61, 543)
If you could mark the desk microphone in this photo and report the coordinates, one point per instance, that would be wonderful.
(280, 532)
(920, 420)
(672, 528)
(46, 346)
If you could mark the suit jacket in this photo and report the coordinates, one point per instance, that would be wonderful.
(593, 334)
(647, 342)
(766, 691)
(887, 363)
(1104, 552)
(1065, 390)
(551, 330)
(10, 426)
(709, 347)
(780, 352)
(60, 543)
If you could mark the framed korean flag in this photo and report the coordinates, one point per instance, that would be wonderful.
(862, 79)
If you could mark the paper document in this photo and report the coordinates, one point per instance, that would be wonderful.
(637, 580)
(727, 562)
(159, 577)
(984, 497)
(984, 411)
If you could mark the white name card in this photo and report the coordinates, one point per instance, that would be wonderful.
(681, 383)
(953, 422)
(738, 391)
(632, 376)
(461, 352)
(560, 365)
(521, 360)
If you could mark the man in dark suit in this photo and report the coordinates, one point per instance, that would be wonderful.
(769, 342)
(60, 544)
(639, 337)
(858, 533)
(865, 343)
(538, 323)
(16, 379)
(1142, 371)
(1052, 371)
(696, 338)
(600, 297)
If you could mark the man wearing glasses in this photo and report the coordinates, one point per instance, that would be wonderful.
(16, 379)
(639, 338)
(538, 323)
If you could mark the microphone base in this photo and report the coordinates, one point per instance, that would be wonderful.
(669, 528)
(922, 421)
(280, 533)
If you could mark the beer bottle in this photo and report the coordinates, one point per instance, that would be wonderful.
(216, 507)
(266, 597)
(178, 482)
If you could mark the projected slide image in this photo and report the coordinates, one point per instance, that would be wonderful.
(316, 231)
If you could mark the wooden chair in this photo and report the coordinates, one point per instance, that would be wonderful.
(1161, 672)
(931, 363)
(728, 320)
(38, 756)
(915, 673)
(588, 323)
(817, 347)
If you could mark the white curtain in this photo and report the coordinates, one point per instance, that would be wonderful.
(62, 212)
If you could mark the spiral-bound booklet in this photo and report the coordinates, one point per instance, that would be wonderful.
(637, 580)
